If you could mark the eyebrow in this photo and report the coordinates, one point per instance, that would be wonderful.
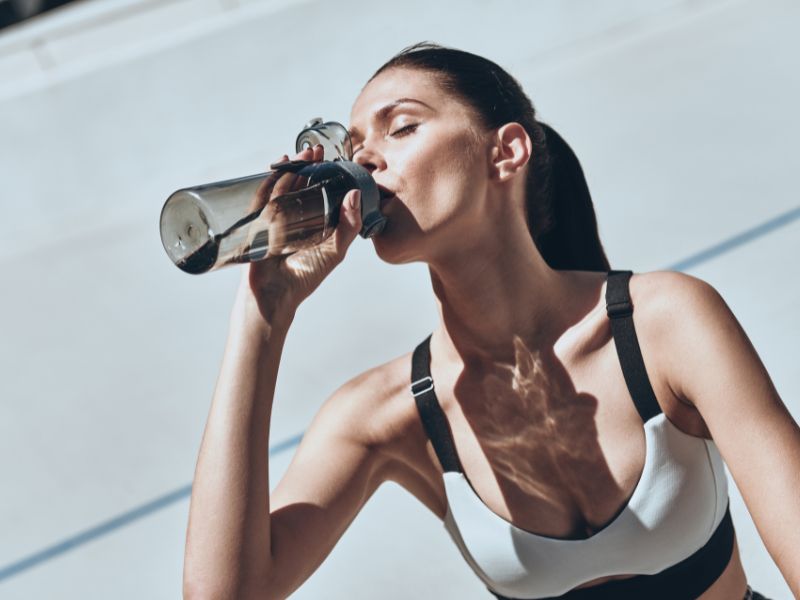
(385, 110)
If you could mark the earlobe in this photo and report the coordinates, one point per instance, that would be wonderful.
(512, 150)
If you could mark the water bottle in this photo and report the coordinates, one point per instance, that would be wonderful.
(291, 207)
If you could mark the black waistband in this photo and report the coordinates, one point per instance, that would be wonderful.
(685, 580)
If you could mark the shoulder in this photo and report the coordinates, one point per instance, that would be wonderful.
(686, 324)
(668, 294)
(377, 408)
(671, 306)
(381, 413)
(375, 405)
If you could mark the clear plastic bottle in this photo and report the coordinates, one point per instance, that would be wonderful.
(294, 206)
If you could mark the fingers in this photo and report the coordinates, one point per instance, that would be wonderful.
(277, 184)
(264, 190)
(289, 182)
(314, 154)
(349, 222)
(286, 180)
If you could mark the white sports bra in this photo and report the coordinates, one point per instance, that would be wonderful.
(674, 533)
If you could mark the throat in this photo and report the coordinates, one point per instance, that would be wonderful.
(486, 324)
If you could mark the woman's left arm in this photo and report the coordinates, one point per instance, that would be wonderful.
(714, 366)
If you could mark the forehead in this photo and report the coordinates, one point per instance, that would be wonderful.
(399, 83)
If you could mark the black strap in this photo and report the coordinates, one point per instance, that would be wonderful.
(685, 580)
(620, 311)
(430, 411)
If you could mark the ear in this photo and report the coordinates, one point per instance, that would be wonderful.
(511, 151)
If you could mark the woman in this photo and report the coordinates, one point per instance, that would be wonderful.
(568, 452)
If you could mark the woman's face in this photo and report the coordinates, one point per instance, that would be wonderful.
(424, 148)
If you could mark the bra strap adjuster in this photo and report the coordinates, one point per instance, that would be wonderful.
(619, 310)
(426, 383)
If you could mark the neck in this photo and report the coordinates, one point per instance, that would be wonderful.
(509, 293)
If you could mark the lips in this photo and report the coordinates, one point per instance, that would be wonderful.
(386, 195)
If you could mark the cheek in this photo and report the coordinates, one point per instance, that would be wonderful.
(428, 163)
(443, 197)
(438, 175)
(459, 173)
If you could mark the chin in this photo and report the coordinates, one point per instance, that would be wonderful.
(393, 248)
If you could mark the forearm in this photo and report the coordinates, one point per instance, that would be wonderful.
(228, 537)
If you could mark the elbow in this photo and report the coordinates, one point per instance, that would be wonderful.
(194, 591)
(200, 584)
(203, 589)
(217, 576)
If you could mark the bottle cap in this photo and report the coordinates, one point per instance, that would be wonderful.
(332, 135)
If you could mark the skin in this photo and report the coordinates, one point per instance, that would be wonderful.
(512, 355)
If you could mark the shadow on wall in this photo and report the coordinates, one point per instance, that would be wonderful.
(15, 11)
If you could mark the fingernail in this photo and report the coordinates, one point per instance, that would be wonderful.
(356, 200)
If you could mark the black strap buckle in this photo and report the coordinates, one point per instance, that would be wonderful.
(422, 385)
(619, 310)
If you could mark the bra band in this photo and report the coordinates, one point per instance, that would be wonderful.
(685, 580)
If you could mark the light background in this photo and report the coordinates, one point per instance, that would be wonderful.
(683, 114)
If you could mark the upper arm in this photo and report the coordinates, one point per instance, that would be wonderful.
(335, 470)
(711, 363)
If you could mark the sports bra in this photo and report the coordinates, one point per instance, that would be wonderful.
(674, 535)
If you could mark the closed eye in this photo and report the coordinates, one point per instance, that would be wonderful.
(404, 130)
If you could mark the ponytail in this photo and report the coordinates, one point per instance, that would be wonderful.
(569, 239)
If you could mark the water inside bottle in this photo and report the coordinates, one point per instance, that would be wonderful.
(286, 224)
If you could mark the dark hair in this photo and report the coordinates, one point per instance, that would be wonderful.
(559, 208)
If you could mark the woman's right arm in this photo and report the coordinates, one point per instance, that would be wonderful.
(241, 543)
(228, 536)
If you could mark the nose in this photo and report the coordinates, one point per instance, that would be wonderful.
(369, 159)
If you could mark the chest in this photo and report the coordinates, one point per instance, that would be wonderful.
(552, 450)
(553, 445)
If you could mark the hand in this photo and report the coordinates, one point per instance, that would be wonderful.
(285, 280)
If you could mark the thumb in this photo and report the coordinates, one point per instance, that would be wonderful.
(349, 221)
